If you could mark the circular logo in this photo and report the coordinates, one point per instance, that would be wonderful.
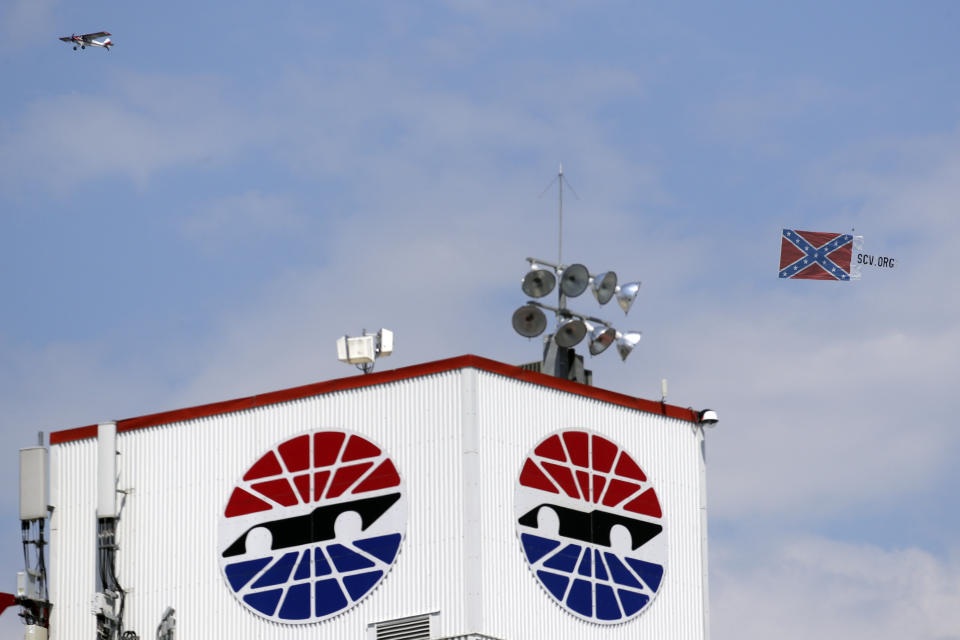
(313, 526)
(591, 527)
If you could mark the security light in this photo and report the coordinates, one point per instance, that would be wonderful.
(708, 417)
(626, 342)
(363, 350)
(538, 282)
(529, 321)
(600, 338)
(574, 280)
(603, 286)
(570, 332)
(626, 294)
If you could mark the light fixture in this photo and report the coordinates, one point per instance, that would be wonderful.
(363, 351)
(574, 280)
(708, 417)
(626, 294)
(604, 285)
(571, 326)
(600, 338)
(529, 321)
(626, 342)
(359, 350)
(538, 282)
(570, 332)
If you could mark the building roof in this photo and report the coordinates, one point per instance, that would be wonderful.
(382, 377)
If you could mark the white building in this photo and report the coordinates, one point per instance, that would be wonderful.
(463, 498)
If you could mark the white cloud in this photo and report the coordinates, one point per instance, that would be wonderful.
(147, 124)
(818, 588)
(251, 213)
(756, 114)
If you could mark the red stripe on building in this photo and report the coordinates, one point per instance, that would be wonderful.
(382, 377)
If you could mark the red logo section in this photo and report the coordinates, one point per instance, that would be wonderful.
(596, 480)
(301, 482)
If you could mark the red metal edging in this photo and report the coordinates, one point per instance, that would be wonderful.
(381, 377)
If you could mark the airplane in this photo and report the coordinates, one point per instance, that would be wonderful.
(87, 40)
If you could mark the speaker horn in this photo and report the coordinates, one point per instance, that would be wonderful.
(538, 282)
(600, 338)
(574, 280)
(626, 294)
(570, 332)
(626, 342)
(529, 321)
(604, 286)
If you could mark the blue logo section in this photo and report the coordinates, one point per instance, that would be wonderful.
(283, 588)
(592, 583)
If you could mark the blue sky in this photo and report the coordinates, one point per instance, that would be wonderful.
(199, 213)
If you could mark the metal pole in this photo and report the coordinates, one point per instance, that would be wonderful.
(561, 299)
(560, 232)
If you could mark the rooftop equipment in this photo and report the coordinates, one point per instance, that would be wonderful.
(559, 358)
(32, 593)
(363, 351)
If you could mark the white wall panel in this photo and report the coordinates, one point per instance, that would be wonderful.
(73, 527)
(181, 475)
(513, 418)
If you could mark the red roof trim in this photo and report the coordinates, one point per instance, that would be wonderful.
(382, 377)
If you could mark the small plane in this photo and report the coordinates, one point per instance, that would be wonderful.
(88, 40)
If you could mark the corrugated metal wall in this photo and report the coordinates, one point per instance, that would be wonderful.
(180, 475)
(513, 418)
(73, 527)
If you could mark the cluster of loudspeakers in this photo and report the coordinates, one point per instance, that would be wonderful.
(530, 321)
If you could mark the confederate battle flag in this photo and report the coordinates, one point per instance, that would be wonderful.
(814, 255)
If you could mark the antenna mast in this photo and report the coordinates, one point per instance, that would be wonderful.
(560, 225)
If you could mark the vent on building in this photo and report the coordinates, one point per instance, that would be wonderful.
(412, 628)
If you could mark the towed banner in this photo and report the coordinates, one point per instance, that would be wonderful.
(815, 255)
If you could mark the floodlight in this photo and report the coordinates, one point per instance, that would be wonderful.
(538, 282)
(529, 321)
(600, 338)
(626, 342)
(574, 280)
(570, 332)
(626, 294)
(386, 343)
(604, 286)
(708, 417)
(360, 350)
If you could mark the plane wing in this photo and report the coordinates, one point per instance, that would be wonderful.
(91, 36)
